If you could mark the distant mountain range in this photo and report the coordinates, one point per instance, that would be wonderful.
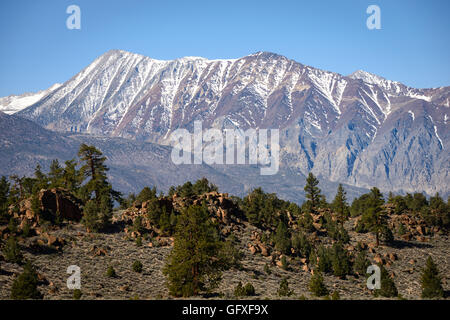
(361, 129)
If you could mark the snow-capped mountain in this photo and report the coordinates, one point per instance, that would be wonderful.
(14, 103)
(360, 129)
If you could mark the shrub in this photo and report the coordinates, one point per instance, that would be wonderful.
(267, 269)
(247, 290)
(110, 272)
(335, 295)
(316, 285)
(25, 285)
(284, 290)
(139, 241)
(77, 294)
(137, 266)
(11, 251)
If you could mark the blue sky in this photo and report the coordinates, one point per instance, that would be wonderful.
(412, 46)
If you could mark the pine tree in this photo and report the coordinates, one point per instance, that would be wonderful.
(4, 196)
(388, 288)
(11, 251)
(55, 174)
(361, 263)
(284, 290)
(282, 238)
(431, 281)
(375, 218)
(340, 261)
(340, 205)
(195, 263)
(100, 212)
(25, 285)
(312, 192)
(317, 286)
(71, 178)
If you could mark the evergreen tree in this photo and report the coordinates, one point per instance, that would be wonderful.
(282, 238)
(41, 179)
(317, 286)
(312, 192)
(55, 174)
(25, 285)
(284, 290)
(11, 251)
(388, 288)
(375, 218)
(146, 194)
(71, 178)
(100, 212)
(195, 263)
(361, 263)
(340, 261)
(4, 200)
(340, 205)
(431, 281)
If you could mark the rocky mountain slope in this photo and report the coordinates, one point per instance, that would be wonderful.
(136, 164)
(14, 103)
(361, 129)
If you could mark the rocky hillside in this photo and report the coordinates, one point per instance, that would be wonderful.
(52, 248)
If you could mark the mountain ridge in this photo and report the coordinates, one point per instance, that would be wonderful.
(352, 130)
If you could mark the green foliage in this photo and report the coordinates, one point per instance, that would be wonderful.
(360, 205)
(25, 285)
(110, 272)
(302, 245)
(91, 219)
(431, 281)
(361, 263)
(261, 208)
(244, 291)
(4, 200)
(388, 288)
(97, 189)
(139, 241)
(317, 286)
(137, 266)
(284, 290)
(231, 253)
(312, 193)
(325, 263)
(284, 263)
(340, 206)
(340, 261)
(282, 238)
(306, 222)
(11, 251)
(335, 230)
(77, 294)
(202, 186)
(267, 269)
(196, 261)
(438, 212)
(146, 194)
(375, 218)
(335, 295)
